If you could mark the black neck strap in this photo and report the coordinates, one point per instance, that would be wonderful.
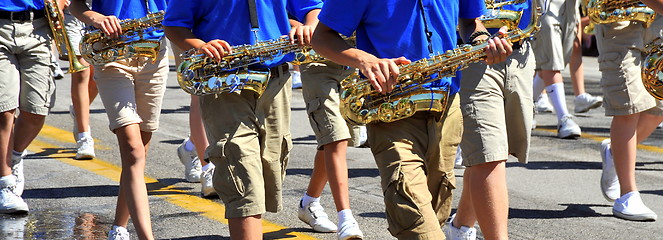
(253, 14)
(429, 34)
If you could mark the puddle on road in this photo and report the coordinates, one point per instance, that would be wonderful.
(53, 225)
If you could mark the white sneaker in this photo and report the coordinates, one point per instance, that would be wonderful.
(74, 129)
(631, 207)
(567, 128)
(58, 73)
(118, 233)
(207, 187)
(609, 180)
(85, 148)
(363, 137)
(17, 170)
(192, 167)
(350, 230)
(296, 79)
(542, 104)
(584, 102)
(314, 215)
(10, 202)
(462, 233)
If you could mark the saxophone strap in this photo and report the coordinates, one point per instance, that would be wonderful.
(253, 15)
(429, 34)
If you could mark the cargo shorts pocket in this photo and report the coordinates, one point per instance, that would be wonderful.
(609, 61)
(317, 116)
(401, 210)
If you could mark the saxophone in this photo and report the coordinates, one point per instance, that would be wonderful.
(98, 49)
(202, 75)
(497, 17)
(610, 11)
(56, 22)
(361, 104)
(651, 69)
(308, 55)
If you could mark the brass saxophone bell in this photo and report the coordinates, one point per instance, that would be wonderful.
(652, 77)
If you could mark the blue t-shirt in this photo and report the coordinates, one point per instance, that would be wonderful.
(21, 5)
(395, 28)
(130, 9)
(229, 20)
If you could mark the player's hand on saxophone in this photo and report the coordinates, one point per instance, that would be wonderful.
(498, 48)
(382, 73)
(301, 35)
(110, 25)
(216, 49)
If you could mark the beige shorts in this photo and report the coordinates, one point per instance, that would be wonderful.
(249, 144)
(553, 44)
(25, 66)
(74, 29)
(415, 157)
(132, 90)
(621, 47)
(496, 101)
(321, 89)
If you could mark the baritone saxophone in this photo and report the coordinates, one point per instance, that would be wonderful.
(98, 49)
(361, 104)
(56, 22)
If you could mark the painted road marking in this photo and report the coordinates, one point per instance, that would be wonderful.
(187, 200)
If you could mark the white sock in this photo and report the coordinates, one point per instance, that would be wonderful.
(188, 146)
(345, 215)
(84, 135)
(538, 86)
(556, 95)
(306, 199)
(207, 166)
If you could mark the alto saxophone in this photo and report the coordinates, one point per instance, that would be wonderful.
(497, 17)
(202, 75)
(361, 104)
(56, 22)
(610, 11)
(308, 55)
(652, 77)
(98, 49)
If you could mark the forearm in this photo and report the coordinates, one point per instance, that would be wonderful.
(329, 44)
(80, 10)
(312, 18)
(657, 5)
(467, 26)
(183, 38)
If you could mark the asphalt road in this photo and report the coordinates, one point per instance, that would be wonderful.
(555, 196)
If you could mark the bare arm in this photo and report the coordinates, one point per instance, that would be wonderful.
(184, 39)
(657, 5)
(110, 25)
(497, 50)
(381, 73)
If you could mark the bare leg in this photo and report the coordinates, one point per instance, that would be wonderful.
(6, 127)
(198, 136)
(132, 181)
(83, 92)
(490, 198)
(337, 173)
(318, 176)
(27, 128)
(465, 215)
(577, 73)
(246, 228)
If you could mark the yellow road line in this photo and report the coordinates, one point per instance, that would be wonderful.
(208, 208)
(59, 135)
(600, 138)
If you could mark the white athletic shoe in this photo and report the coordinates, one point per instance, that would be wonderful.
(363, 137)
(207, 188)
(85, 149)
(567, 128)
(609, 180)
(585, 102)
(10, 202)
(458, 163)
(631, 207)
(314, 215)
(118, 233)
(350, 230)
(543, 105)
(296, 79)
(192, 167)
(462, 233)
(17, 170)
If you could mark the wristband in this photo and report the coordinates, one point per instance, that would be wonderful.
(477, 34)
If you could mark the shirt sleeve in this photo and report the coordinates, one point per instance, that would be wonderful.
(471, 8)
(299, 8)
(344, 16)
(181, 13)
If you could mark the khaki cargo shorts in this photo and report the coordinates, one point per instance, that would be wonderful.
(321, 89)
(553, 44)
(25, 66)
(496, 101)
(132, 90)
(621, 47)
(415, 157)
(74, 29)
(249, 144)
